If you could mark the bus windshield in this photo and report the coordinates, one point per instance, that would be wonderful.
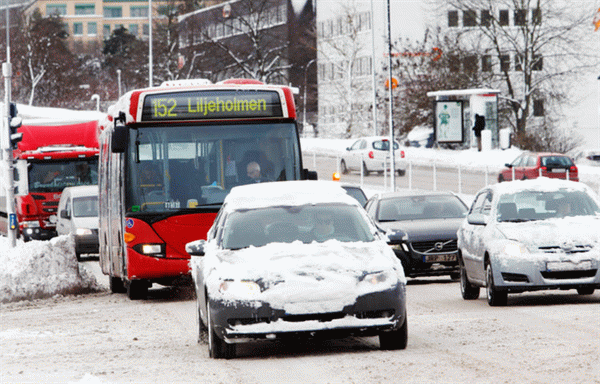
(175, 167)
(56, 175)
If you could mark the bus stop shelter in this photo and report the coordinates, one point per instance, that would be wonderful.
(455, 111)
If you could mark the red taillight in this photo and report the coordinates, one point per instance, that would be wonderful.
(371, 155)
(573, 169)
(402, 154)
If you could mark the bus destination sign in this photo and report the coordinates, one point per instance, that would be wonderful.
(211, 104)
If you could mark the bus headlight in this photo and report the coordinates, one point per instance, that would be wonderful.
(155, 250)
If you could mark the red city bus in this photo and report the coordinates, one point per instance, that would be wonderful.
(168, 157)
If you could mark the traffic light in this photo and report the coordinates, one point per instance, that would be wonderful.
(14, 122)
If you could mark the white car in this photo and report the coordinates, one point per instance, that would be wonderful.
(78, 214)
(296, 259)
(374, 154)
(530, 235)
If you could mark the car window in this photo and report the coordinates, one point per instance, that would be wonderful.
(482, 203)
(556, 161)
(421, 208)
(518, 161)
(384, 145)
(357, 193)
(363, 144)
(86, 206)
(537, 205)
(531, 161)
(307, 223)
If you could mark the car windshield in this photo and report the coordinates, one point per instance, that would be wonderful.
(306, 223)
(421, 208)
(537, 205)
(85, 206)
(56, 175)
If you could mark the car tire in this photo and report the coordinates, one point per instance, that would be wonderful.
(116, 285)
(137, 290)
(366, 171)
(585, 291)
(201, 327)
(217, 348)
(401, 172)
(500, 178)
(396, 339)
(468, 290)
(343, 167)
(495, 298)
(455, 276)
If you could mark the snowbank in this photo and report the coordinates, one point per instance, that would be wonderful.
(40, 269)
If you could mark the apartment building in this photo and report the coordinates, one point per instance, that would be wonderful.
(90, 22)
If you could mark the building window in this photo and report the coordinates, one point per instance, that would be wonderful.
(146, 30)
(113, 12)
(518, 63)
(470, 19)
(454, 63)
(78, 29)
(538, 63)
(106, 31)
(138, 11)
(485, 18)
(56, 9)
(536, 16)
(538, 107)
(504, 63)
(520, 17)
(470, 63)
(92, 29)
(453, 18)
(85, 9)
(503, 18)
(133, 29)
(486, 63)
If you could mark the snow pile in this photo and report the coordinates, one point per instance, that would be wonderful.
(40, 269)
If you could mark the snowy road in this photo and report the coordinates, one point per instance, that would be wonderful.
(548, 337)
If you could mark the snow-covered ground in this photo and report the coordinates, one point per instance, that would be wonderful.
(46, 268)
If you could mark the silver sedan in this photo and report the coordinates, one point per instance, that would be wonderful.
(530, 235)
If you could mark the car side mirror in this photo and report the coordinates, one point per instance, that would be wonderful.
(195, 248)
(476, 219)
(508, 165)
(310, 175)
(65, 214)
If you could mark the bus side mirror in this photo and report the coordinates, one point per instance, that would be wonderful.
(119, 139)
(309, 175)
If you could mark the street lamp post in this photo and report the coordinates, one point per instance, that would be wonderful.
(150, 43)
(119, 81)
(304, 98)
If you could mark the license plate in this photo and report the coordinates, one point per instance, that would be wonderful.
(438, 258)
(554, 266)
(558, 170)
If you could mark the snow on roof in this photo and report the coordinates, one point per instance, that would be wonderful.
(287, 193)
(540, 184)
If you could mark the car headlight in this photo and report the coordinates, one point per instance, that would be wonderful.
(514, 249)
(377, 278)
(240, 288)
(83, 231)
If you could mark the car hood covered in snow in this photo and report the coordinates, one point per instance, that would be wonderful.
(297, 277)
(570, 231)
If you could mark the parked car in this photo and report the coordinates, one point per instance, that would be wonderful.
(587, 157)
(530, 235)
(530, 165)
(296, 259)
(374, 154)
(430, 221)
(78, 214)
(421, 137)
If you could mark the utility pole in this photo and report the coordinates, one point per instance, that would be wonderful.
(390, 88)
(6, 144)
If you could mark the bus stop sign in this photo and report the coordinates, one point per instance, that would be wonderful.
(12, 221)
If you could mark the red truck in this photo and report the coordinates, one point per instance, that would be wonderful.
(57, 156)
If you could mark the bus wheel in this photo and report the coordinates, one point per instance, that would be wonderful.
(137, 290)
(116, 285)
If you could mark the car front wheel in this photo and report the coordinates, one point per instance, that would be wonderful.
(397, 339)
(137, 290)
(343, 167)
(495, 298)
(218, 348)
(468, 290)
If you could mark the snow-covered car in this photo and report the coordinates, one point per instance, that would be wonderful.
(530, 235)
(294, 260)
(374, 155)
(587, 157)
(430, 220)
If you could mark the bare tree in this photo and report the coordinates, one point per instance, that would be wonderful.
(538, 46)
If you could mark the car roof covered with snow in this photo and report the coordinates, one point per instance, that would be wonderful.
(540, 184)
(286, 193)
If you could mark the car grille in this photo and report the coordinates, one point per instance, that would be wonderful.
(579, 248)
(566, 275)
(435, 246)
(320, 317)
